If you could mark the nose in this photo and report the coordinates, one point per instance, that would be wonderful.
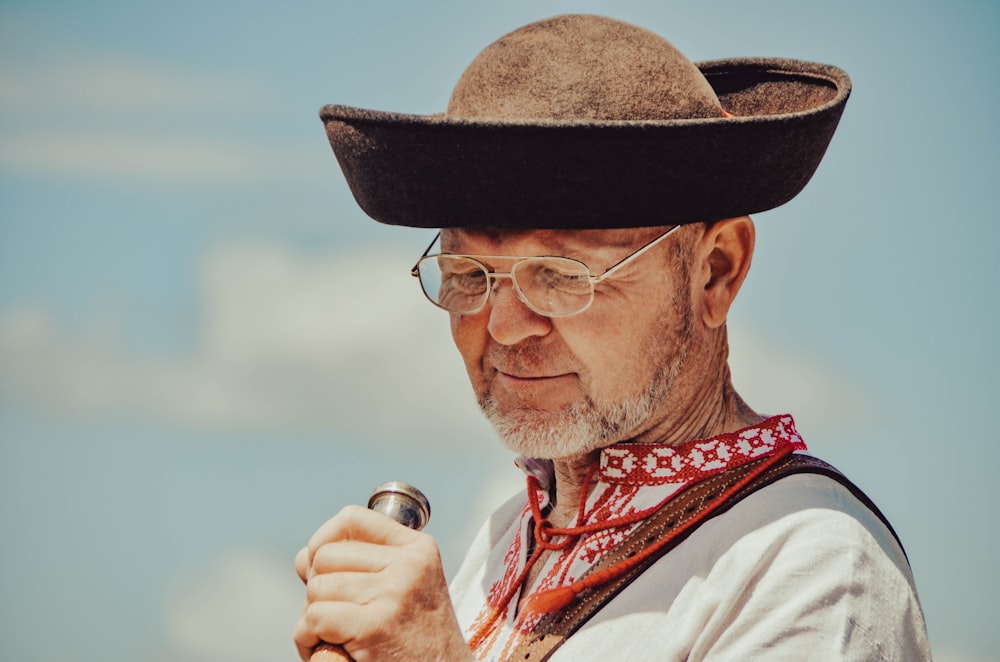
(510, 320)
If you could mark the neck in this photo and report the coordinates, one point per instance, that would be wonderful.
(704, 403)
(704, 408)
(571, 477)
(714, 410)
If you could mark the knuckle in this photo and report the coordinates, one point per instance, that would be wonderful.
(321, 587)
(313, 591)
(312, 616)
(302, 563)
(351, 513)
(353, 509)
(337, 527)
(425, 552)
(316, 619)
(321, 559)
(331, 557)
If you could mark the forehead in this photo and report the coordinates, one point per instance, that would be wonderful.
(545, 242)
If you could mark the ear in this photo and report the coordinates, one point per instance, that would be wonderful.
(723, 257)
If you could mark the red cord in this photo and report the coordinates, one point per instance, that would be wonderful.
(557, 598)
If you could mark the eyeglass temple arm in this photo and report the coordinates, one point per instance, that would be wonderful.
(415, 271)
(613, 268)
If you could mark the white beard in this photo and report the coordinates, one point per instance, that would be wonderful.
(589, 425)
(574, 430)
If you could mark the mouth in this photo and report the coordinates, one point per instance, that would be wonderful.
(534, 376)
(527, 377)
(528, 373)
(525, 384)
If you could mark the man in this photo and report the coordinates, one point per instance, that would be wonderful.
(593, 186)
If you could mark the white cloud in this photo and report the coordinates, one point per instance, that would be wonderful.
(111, 85)
(119, 119)
(324, 341)
(775, 379)
(125, 155)
(287, 342)
(239, 608)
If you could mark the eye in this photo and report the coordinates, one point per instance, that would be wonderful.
(564, 276)
(461, 275)
(469, 283)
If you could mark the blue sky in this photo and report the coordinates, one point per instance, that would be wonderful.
(206, 349)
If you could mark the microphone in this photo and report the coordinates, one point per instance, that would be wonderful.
(403, 503)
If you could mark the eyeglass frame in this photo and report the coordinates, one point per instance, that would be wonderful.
(492, 275)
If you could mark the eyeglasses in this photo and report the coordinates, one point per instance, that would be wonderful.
(549, 285)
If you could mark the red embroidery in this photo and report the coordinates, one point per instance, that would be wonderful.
(656, 464)
(634, 480)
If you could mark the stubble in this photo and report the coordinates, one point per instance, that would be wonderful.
(589, 423)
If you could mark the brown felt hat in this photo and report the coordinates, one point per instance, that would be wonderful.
(588, 122)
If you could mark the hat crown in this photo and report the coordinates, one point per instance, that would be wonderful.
(581, 67)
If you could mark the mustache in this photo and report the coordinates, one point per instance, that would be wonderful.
(530, 357)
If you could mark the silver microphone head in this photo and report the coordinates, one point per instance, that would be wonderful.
(403, 503)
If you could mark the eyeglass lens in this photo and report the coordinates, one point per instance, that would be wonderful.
(552, 286)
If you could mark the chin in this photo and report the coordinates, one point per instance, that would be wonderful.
(576, 429)
(547, 435)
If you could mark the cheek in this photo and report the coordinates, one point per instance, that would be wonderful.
(610, 344)
(602, 346)
(469, 334)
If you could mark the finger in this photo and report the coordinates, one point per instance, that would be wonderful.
(302, 564)
(332, 622)
(360, 588)
(351, 556)
(301, 633)
(357, 523)
(304, 638)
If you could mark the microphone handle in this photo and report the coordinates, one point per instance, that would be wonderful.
(403, 503)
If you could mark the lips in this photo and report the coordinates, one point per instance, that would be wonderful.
(529, 377)
(523, 365)
(528, 371)
(536, 389)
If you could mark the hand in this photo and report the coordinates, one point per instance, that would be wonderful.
(377, 588)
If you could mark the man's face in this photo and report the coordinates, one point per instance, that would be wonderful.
(556, 387)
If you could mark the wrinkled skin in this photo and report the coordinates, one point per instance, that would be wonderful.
(377, 587)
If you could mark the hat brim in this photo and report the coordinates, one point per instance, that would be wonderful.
(436, 171)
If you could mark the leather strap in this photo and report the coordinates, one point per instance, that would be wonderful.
(553, 629)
